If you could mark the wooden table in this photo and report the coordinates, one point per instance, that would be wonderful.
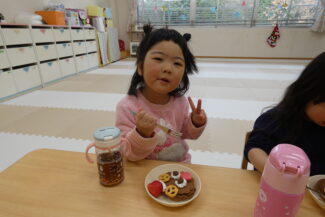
(63, 184)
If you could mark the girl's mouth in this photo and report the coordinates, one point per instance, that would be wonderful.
(165, 80)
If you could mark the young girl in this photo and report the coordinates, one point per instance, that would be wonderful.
(299, 119)
(156, 97)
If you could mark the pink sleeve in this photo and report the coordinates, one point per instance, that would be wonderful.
(191, 131)
(134, 146)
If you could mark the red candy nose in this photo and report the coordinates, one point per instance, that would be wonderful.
(186, 175)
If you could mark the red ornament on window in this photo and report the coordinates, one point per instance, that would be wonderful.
(275, 35)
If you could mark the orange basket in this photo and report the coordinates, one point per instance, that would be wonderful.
(52, 17)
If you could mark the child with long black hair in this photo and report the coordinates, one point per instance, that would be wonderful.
(298, 119)
(156, 97)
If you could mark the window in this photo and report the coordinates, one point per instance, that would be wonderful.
(228, 12)
(232, 12)
(290, 13)
(160, 12)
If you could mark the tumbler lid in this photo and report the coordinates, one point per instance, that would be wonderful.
(290, 158)
(106, 133)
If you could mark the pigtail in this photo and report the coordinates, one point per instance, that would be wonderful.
(187, 36)
(147, 29)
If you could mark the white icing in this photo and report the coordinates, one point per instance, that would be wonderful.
(175, 177)
(163, 185)
(181, 185)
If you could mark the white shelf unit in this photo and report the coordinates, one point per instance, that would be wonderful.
(84, 47)
(32, 56)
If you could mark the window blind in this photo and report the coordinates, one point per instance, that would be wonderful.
(228, 12)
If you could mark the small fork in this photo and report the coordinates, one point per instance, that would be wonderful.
(167, 130)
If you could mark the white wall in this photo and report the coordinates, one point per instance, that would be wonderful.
(122, 11)
(251, 42)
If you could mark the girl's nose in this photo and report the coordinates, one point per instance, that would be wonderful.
(167, 68)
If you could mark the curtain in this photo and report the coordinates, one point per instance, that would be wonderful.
(132, 14)
(319, 25)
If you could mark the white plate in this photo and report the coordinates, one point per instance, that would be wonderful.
(311, 183)
(162, 199)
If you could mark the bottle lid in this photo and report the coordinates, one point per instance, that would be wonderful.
(290, 159)
(107, 137)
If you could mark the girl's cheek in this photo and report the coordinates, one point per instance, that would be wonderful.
(317, 114)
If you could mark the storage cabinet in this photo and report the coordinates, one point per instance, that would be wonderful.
(89, 34)
(77, 34)
(64, 49)
(91, 46)
(46, 52)
(92, 60)
(21, 55)
(62, 34)
(33, 56)
(17, 35)
(4, 63)
(7, 84)
(50, 71)
(27, 77)
(68, 66)
(79, 47)
(85, 47)
(41, 35)
(82, 62)
(1, 41)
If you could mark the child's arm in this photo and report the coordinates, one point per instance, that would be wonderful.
(134, 147)
(258, 158)
(261, 141)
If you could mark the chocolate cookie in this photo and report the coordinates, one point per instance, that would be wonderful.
(186, 189)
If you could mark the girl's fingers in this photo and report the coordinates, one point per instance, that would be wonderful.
(154, 122)
(139, 111)
(191, 104)
(199, 103)
(140, 114)
(146, 118)
(195, 109)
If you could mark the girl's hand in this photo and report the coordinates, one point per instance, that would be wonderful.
(198, 115)
(145, 124)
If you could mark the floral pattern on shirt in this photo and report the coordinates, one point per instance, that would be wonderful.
(168, 149)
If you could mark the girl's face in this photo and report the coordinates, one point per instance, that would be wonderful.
(163, 70)
(316, 113)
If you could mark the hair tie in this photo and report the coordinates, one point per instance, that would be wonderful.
(147, 28)
(187, 36)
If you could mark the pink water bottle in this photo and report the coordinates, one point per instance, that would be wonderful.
(283, 182)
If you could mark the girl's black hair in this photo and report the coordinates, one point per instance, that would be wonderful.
(153, 37)
(308, 88)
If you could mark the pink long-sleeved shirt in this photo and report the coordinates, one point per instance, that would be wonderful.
(175, 115)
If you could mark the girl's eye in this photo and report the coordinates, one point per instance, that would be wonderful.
(157, 58)
(178, 64)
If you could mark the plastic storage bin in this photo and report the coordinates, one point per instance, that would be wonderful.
(52, 17)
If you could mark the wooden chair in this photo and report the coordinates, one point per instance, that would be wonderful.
(244, 162)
